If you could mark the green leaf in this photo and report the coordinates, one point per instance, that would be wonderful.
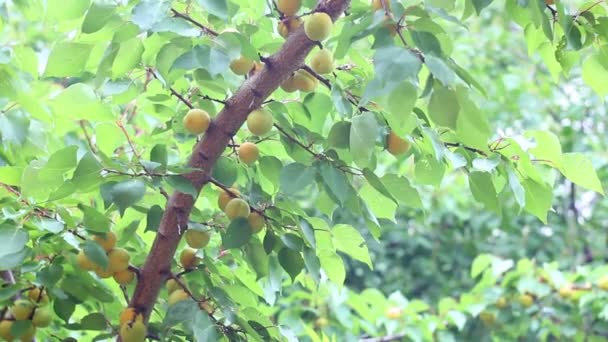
(440, 70)
(547, 147)
(67, 59)
(296, 177)
(339, 135)
(481, 4)
(444, 107)
(291, 261)
(79, 102)
(399, 105)
(94, 220)
(87, 174)
(595, 74)
(12, 241)
(218, 8)
(377, 184)
(96, 253)
(517, 188)
(159, 155)
(483, 190)
(538, 199)
(59, 10)
(348, 240)
(94, 321)
(183, 185)
(392, 66)
(332, 265)
(256, 257)
(202, 56)
(579, 170)
(335, 180)
(363, 133)
(237, 234)
(224, 171)
(10, 175)
(149, 12)
(472, 126)
(427, 42)
(97, 17)
(402, 190)
(429, 171)
(480, 264)
(128, 57)
(127, 193)
(203, 328)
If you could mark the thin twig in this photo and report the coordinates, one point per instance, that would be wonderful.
(196, 23)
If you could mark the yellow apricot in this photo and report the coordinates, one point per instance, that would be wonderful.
(237, 208)
(259, 122)
(248, 153)
(502, 303)
(289, 7)
(377, 4)
(322, 62)
(21, 309)
(5, 330)
(289, 85)
(196, 121)
(393, 312)
(42, 317)
(84, 262)
(118, 260)
(103, 273)
(487, 318)
(396, 145)
(603, 283)
(225, 197)
(107, 241)
(304, 81)
(124, 277)
(318, 26)
(133, 332)
(188, 258)
(526, 300)
(287, 26)
(38, 295)
(241, 65)
(197, 238)
(256, 222)
(177, 296)
(172, 285)
(129, 315)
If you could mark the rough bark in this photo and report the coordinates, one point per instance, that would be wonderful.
(249, 96)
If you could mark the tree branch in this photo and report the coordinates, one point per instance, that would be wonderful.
(251, 94)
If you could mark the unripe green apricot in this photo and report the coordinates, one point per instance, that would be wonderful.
(322, 62)
(196, 121)
(248, 153)
(133, 332)
(118, 260)
(197, 238)
(21, 309)
(318, 26)
(42, 317)
(289, 7)
(241, 65)
(259, 122)
(237, 208)
(226, 196)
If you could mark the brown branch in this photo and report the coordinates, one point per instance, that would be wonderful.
(186, 17)
(250, 95)
(383, 338)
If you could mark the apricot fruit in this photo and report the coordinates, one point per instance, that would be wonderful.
(125, 277)
(84, 262)
(322, 62)
(129, 315)
(5, 330)
(502, 303)
(304, 81)
(133, 332)
(259, 122)
(172, 285)
(287, 26)
(602, 283)
(42, 317)
(196, 121)
(289, 85)
(106, 241)
(176, 296)
(118, 260)
(237, 208)
(103, 273)
(248, 153)
(289, 7)
(318, 26)
(38, 295)
(225, 197)
(256, 222)
(241, 65)
(21, 309)
(487, 318)
(526, 300)
(393, 312)
(188, 258)
(197, 238)
(396, 145)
